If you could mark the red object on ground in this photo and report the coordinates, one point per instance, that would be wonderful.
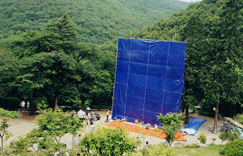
(132, 127)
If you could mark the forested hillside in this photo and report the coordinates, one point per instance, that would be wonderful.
(51, 65)
(213, 32)
(96, 21)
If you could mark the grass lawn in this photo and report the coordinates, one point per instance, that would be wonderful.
(210, 150)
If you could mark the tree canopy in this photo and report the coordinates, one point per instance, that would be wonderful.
(53, 65)
(96, 21)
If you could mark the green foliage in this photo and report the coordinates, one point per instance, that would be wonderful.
(214, 54)
(224, 136)
(170, 133)
(4, 134)
(96, 21)
(11, 114)
(51, 65)
(57, 123)
(171, 123)
(63, 27)
(209, 150)
(52, 125)
(108, 141)
(46, 144)
(239, 118)
(202, 138)
(229, 135)
(233, 135)
(160, 150)
(233, 148)
(193, 145)
(171, 119)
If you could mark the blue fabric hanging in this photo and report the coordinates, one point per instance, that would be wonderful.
(149, 79)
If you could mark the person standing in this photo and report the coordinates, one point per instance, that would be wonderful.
(108, 115)
(81, 113)
(88, 117)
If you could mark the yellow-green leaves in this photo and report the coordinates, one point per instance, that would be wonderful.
(108, 141)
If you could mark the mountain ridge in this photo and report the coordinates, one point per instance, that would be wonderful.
(96, 21)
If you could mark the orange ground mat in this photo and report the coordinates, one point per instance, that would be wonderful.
(132, 127)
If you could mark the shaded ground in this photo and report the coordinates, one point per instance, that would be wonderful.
(25, 124)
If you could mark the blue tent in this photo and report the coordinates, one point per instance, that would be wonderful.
(149, 79)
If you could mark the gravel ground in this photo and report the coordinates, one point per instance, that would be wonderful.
(25, 124)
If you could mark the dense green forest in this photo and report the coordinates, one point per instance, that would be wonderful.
(212, 30)
(96, 21)
(51, 64)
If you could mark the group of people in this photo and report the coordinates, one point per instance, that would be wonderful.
(85, 115)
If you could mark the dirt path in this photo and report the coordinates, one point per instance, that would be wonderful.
(26, 123)
(204, 129)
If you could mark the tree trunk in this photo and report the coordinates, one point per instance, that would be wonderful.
(216, 115)
(82, 102)
(2, 142)
(80, 97)
(187, 115)
(26, 104)
(55, 107)
(31, 103)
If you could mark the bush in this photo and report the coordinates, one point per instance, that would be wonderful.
(171, 123)
(191, 146)
(233, 135)
(52, 126)
(239, 118)
(160, 150)
(171, 118)
(202, 138)
(224, 136)
(234, 148)
(46, 145)
(108, 141)
(4, 134)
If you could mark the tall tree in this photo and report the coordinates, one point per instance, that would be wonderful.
(192, 33)
(66, 32)
(230, 88)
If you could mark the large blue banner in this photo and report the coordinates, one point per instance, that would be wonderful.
(149, 79)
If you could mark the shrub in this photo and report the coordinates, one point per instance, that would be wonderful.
(202, 138)
(233, 135)
(46, 145)
(52, 125)
(108, 141)
(160, 150)
(171, 123)
(223, 136)
(233, 148)
(239, 118)
(4, 134)
(171, 118)
(191, 146)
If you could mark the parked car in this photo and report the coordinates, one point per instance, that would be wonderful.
(95, 115)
